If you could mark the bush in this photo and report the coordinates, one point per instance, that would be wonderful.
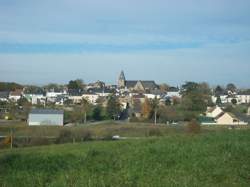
(154, 132)
(65, 135)
(39, 141)
(193, 126)
(83, 135)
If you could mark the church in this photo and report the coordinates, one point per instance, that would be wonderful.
(136, 85)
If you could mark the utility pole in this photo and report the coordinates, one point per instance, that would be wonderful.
(11, 139)
(155, 116)
(85, 117)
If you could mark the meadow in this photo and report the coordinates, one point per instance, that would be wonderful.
(214, 158)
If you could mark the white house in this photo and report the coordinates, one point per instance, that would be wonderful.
(91, 97)
(214, 112)
(16, 95)
(35, 98)
(243, 98)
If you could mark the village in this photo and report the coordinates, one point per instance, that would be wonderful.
(129, 100)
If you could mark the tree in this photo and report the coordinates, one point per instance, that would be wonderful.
(168, 101)
(164, 87)
(9, 86)
(234, 101)
(96, 114)
(218, 91)
(77, 84)
(113, 107)
(54, 86)
(31, 89)
(146, 108)
(218, 100)
(167, 113)
(155, 106)
(231, 87)
(193, 126)
(195, 97)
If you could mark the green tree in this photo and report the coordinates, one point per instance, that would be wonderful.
(97, 113)
(218, 91)
(113, 107)
(231, 87)
(234, 101)
(218, 101)
(195, 96)
(77, 84)
(9, 86)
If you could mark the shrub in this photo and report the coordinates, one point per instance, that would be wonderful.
(193, 126)
(154, 132)
(65, 135)
(39, 141)
(83, 135)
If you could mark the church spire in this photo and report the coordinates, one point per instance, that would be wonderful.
(121, 80)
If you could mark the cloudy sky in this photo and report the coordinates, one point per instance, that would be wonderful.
(168, 41)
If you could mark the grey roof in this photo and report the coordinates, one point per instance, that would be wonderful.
(75, 92)
(45, 111)
(130, 84)
(149, 84)
(244, 92)
(145, 84)
(122, 76)
(173, 89)
(4, 94)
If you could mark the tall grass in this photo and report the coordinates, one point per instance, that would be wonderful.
(212, 159)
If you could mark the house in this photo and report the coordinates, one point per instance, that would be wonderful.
(75, 96)
(152, 94)
(35, 98)
(227, 118)
(243, 97)
(102, 92)
(214, 111)
(135, 85)
(216, 116)
(15, 95)
(98, 84)
(91, 97)
(173, 92)
(4, 95)
(45, 117)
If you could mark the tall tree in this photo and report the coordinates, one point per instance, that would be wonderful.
(218, 90)
(164, 87)
(195, 96)
(113, 107)
(77, 84)
(146, 108)
(231, 87)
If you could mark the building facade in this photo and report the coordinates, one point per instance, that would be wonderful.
(45, 117)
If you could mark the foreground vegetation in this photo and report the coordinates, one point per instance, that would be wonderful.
(207, 159)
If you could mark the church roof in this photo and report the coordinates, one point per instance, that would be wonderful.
(146, 84)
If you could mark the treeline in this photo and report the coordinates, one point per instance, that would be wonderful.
(9, 86)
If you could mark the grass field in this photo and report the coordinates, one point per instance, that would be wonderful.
(208, 159)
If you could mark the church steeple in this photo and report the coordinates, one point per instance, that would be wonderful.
(121, 80)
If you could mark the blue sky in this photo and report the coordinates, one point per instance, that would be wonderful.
(169, 41)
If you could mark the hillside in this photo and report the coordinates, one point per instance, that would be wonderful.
(211, 159)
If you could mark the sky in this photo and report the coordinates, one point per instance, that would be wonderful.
(168, 41)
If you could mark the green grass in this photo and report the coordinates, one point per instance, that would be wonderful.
(208, 159)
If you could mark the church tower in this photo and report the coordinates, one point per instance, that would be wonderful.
(121, 80)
